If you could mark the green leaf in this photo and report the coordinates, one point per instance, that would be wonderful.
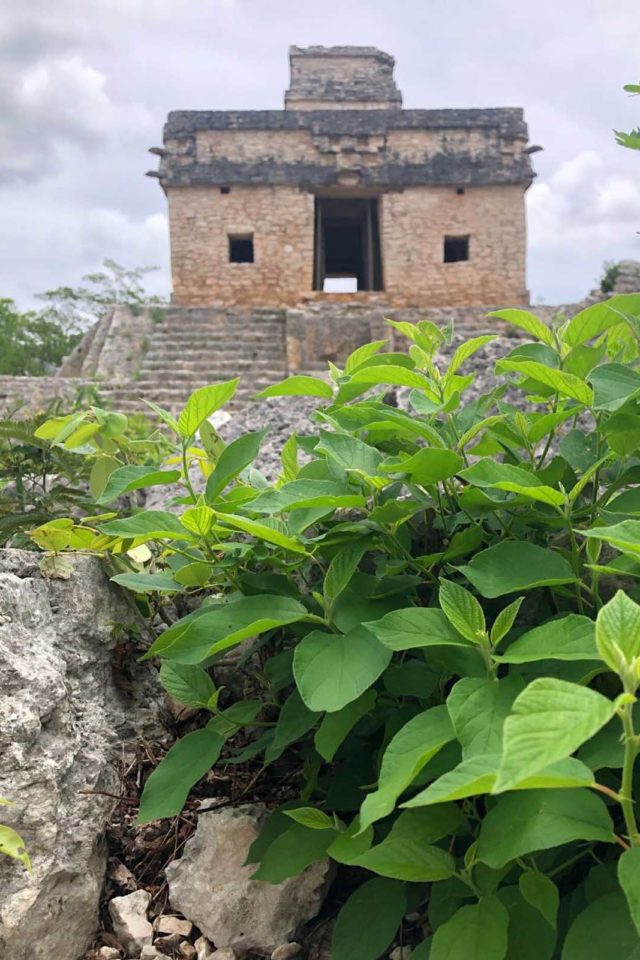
(298, 386)
(602, 929)
(477, 932)
(563, 383)
(232, 461)
(526, 321)
(147, 582)
(629, 877)
(390, 374)
(336, 726)
(530, 936)
(351, 843)
(504, 621)
(530, 820)
(466, 350)
(478, 774)
(613, 385)
(550, 719)
(368, 921)
(342, 568)
(125, 479)
(189, 684)
(289, 459)
(294, 722)
(151, 524)
(598, 318)
(427, 466)
(332, 670)
(194, 639)
(349, 452)
(100, 473)
(202, 404)
(462, 610)
(541, 892)
(407, 853)
(303, 494)
(511, 566)
(571, 637)
(229, 721)
(504, 476)
(311, 817)
(166, 790)
(12, 845)
(475, 775)
(618, 632)
(292, 852)
(416, 627)
(478, 709)
(361, 354)
(262, 532)
(407, 753)
(198, 520)
(624, 535)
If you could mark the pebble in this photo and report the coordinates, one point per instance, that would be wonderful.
(130, 924)
(286, 951)
(187, 950)
(173, 925)
(108, 953)
(400, 953)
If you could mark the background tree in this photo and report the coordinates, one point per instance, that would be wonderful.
(35, 342)
(632, 139)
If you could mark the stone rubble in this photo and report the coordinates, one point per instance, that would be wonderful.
(130, 924)
(212, 887)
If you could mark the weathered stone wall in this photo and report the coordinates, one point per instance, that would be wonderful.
(322, 77)
(413, 225)
(201, 220)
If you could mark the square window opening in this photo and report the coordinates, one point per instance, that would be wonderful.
(456, 249)
(241, 248)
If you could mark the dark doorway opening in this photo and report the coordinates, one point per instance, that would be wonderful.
(347, 254)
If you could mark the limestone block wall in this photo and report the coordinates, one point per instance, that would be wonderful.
(280, 220)
(413, 224)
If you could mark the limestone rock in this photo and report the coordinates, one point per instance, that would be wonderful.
(173, 925)
(286, 951)
(130, 924)
(211, 886)
(61, 717)
(149, 952)
(204, 950)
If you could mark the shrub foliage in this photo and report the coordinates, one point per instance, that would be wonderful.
(438, 606)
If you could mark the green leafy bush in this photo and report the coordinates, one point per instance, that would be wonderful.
(439, 606)
(51, 465)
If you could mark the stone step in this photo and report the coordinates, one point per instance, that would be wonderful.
(208, 364)
(180, 344)
(173, 355)
(222, 324)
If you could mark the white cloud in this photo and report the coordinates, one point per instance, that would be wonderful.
(55, 101)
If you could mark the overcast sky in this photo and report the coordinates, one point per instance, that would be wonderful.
(85, 86)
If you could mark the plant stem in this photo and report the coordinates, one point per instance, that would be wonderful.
(626, 788)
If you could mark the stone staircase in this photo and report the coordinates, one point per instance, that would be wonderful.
(190, 347)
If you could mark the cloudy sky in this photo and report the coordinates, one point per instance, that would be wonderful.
(85, 86)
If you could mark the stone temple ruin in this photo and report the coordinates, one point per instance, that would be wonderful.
(295, 232)
(344, 190)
